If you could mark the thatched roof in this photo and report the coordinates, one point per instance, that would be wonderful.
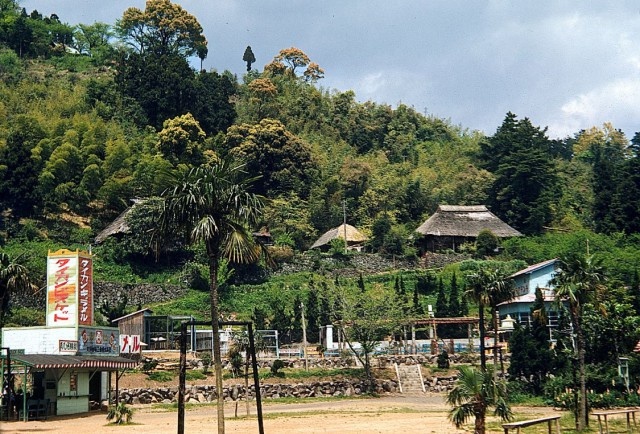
(353, 236)
(465, 221)
(119, 225)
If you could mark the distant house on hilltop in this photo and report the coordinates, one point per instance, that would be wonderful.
(354, 238)
(452, 225)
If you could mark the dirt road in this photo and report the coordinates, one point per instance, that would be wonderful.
(391, 414)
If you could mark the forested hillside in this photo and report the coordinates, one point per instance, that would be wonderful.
(93, 116)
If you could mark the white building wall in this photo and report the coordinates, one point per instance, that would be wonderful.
(38, 340)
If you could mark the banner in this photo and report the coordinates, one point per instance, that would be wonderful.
(62, 280)
(69, 289)
(85, 292)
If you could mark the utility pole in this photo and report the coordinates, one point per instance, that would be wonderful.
(344, 223)
(304, 338)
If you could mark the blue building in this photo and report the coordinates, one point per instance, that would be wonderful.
(526, 281)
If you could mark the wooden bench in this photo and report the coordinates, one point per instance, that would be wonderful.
(629, 412)
(36, 409)
(526, 423)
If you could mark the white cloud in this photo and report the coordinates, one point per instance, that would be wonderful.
(617, 102)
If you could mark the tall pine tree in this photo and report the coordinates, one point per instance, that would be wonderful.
(525, 184)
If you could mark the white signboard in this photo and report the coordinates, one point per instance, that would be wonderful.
(130, 344)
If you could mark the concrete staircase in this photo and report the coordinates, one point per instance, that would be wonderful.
(409, 378)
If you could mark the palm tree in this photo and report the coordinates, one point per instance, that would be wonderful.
(213, 204)
(578, 280)
(120, 414)
(474, 392)
(14, 278)
(489, 288)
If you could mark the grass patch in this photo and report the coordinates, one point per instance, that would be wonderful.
(161, 376)
(321, 374)
(195, 375)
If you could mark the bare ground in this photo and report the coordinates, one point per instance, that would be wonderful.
(390, 414)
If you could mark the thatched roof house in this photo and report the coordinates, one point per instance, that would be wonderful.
(452, 225)
(119, 225)
(354, 237)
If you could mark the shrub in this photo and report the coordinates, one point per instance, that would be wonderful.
(161, 376)
(195, 375)
(206, 360)
(281, 254)
(121, 413)
(443, 360)
(486, 244)
(149, 365)
(275, 368)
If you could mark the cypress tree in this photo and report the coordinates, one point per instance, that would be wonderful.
(454, 298)
(442, 305)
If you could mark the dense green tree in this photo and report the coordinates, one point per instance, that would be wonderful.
(629, 189)
(531, 354)
(442, 304)
(284, 160)
(164, 28)
(18, 170)
(213, 205)
(95, 41)
(486, 243)
(162, 84)
(525, 182)
(288, 60)
(380, 232)
(181, 140)
(313, 314)
(608, 159)
(213, 105)
(455, 308)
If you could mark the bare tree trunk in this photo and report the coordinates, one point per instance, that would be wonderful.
(582, 404)
(480, 424)
(495, 344)
(483, 356)
(215, 326)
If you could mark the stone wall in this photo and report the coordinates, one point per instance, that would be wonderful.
(137, 294)
(207, 393)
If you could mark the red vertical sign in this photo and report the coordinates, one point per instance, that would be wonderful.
(85, 292)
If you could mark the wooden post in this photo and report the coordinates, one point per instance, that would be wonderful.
(182, 376)
(256, 378)
(304, 339)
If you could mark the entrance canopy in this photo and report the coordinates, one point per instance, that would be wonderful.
(49, 361)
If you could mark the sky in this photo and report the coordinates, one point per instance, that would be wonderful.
(566, 65)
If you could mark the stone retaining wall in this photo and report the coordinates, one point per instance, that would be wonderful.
(207, 393)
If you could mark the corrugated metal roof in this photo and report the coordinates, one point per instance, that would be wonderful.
(57, 361)
(534, 267)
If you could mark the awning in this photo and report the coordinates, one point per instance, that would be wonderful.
(51, 361)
